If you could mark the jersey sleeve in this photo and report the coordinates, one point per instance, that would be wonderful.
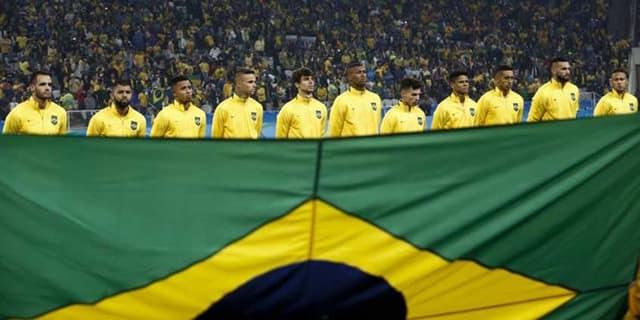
(336, 118)
(12, 123)
(388, 123)
(283, 123)
(160, 125)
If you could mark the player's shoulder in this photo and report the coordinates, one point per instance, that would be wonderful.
(417, 110)
(317, 104)
(517, 95)
(58, 109)
(255, 104)
(137, 114)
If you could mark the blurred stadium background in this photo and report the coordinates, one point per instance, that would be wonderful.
(87, 44)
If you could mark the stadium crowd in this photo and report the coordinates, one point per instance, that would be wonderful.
(87, 44)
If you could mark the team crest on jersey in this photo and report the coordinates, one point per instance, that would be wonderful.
(197, 120)
(318, 114)
(632, 107)
(573, 96)
(374, 106)
(472, 111)
(134, 125)
(254, 116)
(419, 121)
(515, 106)
(54, 120)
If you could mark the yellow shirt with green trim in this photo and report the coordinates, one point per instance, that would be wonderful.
(403, 118)
(452, 113)
(355, 113)
(301, 118)
(553, 101)
(237, 118)
(494, 108)
(175, 121)
(108, 122)
(28, 118)
(614, 103)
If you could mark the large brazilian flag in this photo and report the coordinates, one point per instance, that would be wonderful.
(520, 222)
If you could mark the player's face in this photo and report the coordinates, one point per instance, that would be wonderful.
(357, 77)
(121, 96)
(41, 87)
(619, 82)
(561, 71)
(306, 84)
(182, 91)
(410, 96)
(460, 85)
(504, 80)
(245, 85)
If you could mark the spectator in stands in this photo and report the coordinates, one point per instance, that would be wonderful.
(239, 116)
(119, 119)
(355, 112)
(407, 116)
(403, 35)
(458, 110)
(38, 115)
(303, 116)
(182, 118)
(500, 105)
(619, 100)
(557, 99)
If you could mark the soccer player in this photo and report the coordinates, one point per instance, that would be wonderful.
(619, 100)
(181, 119)
(355, 112)
(407, 115)
(37, 115)
(558, 98)
(303, 116)
(458, 110)
(119, 119)
(239, 116)
(500, 105)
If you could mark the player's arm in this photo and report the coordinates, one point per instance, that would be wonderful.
(378, 115)
(12, 124)
(537, 109)
(577, 103)
(217, 127)
(602, 108)
(202, 132)
(259, 122)
(323, 121)
(481, 116)
(62, 130)
(439, 118)
(160, 125)
(388, 123)
(283, 123)
(95, 126)
(336, 118)
(142, 128)
(520, 110)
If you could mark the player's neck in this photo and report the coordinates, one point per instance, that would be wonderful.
(620, 93)
(460, 96)
(42, 103)
(122, 111)
(306, 95)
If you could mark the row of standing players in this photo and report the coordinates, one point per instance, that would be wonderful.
(356, 112)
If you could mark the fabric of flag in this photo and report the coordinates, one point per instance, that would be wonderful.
(516, 222)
